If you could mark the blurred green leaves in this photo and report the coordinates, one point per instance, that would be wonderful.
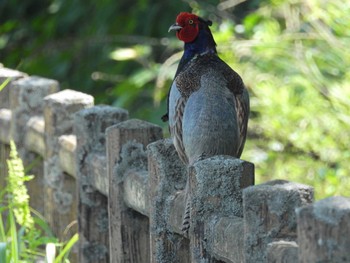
(296, 69)
(83, 43)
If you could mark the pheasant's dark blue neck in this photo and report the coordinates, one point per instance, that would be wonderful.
(204, 43)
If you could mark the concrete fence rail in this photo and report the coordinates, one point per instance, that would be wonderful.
(122, 183)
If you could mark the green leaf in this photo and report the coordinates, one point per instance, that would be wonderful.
(66, 249)
(2, 229)
(3, 248)
(4, 84)
(14, 242)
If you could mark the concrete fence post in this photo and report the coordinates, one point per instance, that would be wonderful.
(26, 102)
(324, 231)
(129, 230)
(5, 118)
(167, 177)
(10, 75)
(90, 126)
(60, 191)
(269, 215)
(216, 186)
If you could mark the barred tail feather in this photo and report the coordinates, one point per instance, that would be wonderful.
(187, 216)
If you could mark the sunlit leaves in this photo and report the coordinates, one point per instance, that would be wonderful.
(300, 94)
(135, 52)
(18, 192)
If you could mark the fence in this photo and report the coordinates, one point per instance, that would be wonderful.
(124, 185)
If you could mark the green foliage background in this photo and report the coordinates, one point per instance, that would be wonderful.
(293, 55)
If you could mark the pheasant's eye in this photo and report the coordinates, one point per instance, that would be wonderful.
(190, 21)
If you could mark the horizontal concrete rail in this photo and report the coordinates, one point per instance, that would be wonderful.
(67, 145)
(34, 139)
(5, 124)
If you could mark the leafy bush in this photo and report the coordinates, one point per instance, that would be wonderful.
(294, 58)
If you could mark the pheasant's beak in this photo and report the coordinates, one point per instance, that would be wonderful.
(174, 27)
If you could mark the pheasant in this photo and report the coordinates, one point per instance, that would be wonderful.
(208, 105)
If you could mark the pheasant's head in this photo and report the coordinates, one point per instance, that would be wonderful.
(188, 25)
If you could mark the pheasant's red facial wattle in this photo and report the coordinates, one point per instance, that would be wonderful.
(189, 23)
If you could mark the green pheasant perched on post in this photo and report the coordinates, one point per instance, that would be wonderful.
(208, 105)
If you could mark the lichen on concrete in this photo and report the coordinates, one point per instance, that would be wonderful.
(332, 210)
(63, 201)
(53, 177)
(93, 252)
(86, 192)
(102, 221)
(133, 157)
(169, 177)
(93, 122)
(269, 214)
(218, 186)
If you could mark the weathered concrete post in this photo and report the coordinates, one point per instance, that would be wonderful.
(269, 215)
(167, 176)
(324, 231)
(129, 230)
(26, 102)
(90, 126)
(5, 137)
(216, 186)
(60, 197)
(9, 76)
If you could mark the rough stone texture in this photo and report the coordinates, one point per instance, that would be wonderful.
(228, 239)
(269, 215)
(218, 183)
(13, 75)
(324, 231)
(216, 186)
(129, 230)
(26, 101)
(60, 198)
(167, 176)
(282, 252)
(90, 128)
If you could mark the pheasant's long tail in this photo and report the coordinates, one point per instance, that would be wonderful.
(187, 215)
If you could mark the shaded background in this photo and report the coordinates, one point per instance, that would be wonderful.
(292, 54)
